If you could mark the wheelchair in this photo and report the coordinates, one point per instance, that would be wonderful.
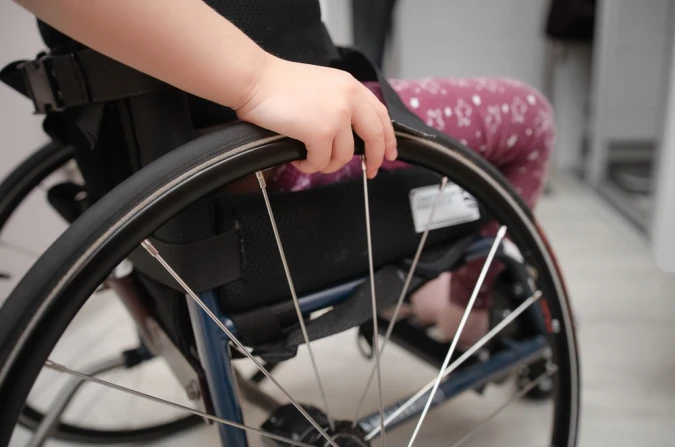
(214, 278)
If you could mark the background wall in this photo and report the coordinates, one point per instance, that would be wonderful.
(337, 16)
(664, 220)
(471, 38)
(630, 76)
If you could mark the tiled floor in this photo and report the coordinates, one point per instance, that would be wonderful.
(625, 308)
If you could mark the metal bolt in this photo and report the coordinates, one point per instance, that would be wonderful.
(546, 385)
(555, 325)
(548, 353)
(192, 390)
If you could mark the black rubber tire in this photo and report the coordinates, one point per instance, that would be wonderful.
(29, 174)
(14, 189)
(50, 295)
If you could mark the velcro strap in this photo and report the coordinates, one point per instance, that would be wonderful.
(56, 82)
(106, 79)
(13, 77)
(354, 311)
(195, 261)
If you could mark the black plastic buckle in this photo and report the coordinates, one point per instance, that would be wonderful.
(43, 86)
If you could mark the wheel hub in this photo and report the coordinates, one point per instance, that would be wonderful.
(288, 422)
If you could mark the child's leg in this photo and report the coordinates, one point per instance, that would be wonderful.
(508, 123)
(511, 125)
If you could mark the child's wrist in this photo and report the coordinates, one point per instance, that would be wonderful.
(254, 71)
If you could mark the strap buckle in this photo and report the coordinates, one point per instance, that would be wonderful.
(42, 83)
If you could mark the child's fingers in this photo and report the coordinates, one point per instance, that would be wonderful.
(390, 151)
(369, 127)
(343, 149)
(318, 155)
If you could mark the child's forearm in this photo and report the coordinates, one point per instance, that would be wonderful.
(187, 45)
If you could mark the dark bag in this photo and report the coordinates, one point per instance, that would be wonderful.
(571, 20)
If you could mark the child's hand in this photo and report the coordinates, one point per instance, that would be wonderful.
(319, 106)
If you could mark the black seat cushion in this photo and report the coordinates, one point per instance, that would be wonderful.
(323, 231)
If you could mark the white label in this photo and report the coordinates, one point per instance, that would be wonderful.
(455, 207)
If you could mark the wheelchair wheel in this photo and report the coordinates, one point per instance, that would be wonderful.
(30, 181)
(50, 295)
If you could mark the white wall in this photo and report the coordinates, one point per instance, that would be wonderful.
(630, 70)
(471, 38)
(496, 38)
(570, 91)
(337, 17)
(663, 235)
(20, 131)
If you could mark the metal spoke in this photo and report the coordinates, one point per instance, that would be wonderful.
(552, 369)
(63, 399)
(19, 249)
(63, 369)
(147, 245)
(463, 358)
(376, 342)
(402, 296)
(296, 302)
(488, 261)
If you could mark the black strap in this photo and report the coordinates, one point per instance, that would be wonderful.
(352, 312)
(195, 261)
(69, 199)
(13, 77)
(56, 82)
(362, 69)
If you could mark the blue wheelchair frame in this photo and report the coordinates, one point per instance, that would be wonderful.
(214, 353)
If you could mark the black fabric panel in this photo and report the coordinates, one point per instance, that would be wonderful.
(323, 233)
(98, 158)
(291, 29)
(54, 38)
(205, 113)
(161, 123)
(107, 79)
